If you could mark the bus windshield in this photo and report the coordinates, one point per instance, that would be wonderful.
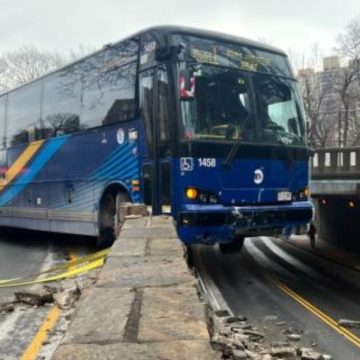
(233, 92)
(225, 104)
(219, 107)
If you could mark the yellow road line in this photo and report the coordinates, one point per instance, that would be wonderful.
(20, 162)
(42, 334)
(50, 321)
(318, 313)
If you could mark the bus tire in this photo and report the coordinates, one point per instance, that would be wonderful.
(109, 227)
(233, 247)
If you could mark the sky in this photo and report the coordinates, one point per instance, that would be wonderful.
(66, 24)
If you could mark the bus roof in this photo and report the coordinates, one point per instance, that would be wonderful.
(164, 29)
(213, 35)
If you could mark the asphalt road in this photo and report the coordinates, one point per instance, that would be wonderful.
(273, 282)
(23, 253)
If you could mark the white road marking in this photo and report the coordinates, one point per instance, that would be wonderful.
(263, 260)
(291, 259)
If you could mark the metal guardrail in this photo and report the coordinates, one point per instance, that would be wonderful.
(336, 163)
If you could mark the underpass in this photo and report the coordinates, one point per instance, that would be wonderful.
(288, 292)
(335, 185)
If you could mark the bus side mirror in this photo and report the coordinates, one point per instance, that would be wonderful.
(186, 85)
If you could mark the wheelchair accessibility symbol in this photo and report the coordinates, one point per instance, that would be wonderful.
(186, 164)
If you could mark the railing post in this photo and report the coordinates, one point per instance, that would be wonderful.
(321, 154)
(346, 160)
(333, 160)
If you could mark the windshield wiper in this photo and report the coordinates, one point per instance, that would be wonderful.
(231, 155)
(277, 135)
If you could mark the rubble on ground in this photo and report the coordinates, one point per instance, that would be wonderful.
(36, 297)
(6, 308)
(237, 339)
(349, 323)
(67, 297)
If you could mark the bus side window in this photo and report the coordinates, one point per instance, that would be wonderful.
(146, 96)
(23, 111)
(61, 104)
(2, 120)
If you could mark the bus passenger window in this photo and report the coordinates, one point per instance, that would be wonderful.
(61, 104)
(23, 111)
(2, 121)
(109, 88)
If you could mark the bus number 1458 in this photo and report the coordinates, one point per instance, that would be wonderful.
(207, 162)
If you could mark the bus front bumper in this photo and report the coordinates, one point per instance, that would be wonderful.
(211, 224)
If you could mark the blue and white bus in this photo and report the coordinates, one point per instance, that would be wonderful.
(206, 124)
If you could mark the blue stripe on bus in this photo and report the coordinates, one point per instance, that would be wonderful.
(115, 160)
(84, 194)
(120, 164)
(121, 168)
(45, 154)
(120, 152)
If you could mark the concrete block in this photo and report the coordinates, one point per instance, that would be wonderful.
(171, 314)
(128, 247)
(149, 233)
(131, 223)
(177, 350)
(165, 246)
(144, 272)
(101, 317)
(127, 209)
(161, 221)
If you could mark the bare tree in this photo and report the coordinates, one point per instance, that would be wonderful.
(316, 89)
(25, 64)
(28, 63)
(315, 92)
(345, 90)
(348, 82)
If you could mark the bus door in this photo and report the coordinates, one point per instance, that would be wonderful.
(156, 168)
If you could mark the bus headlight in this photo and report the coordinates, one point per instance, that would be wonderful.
(191, 193)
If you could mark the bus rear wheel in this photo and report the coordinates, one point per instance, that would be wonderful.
(108, 217)
(233, 247)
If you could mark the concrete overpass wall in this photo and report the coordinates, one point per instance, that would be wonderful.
(335, 189)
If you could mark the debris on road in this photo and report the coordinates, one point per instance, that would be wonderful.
(67, 297)
(283, 350)
(349, 323)
(310, 354)
(6, 308)
(36, 297)
(293, 334)
(294, 337)
(237, 339)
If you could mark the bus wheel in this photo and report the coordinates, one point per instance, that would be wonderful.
(234, 247)
(108, 219)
